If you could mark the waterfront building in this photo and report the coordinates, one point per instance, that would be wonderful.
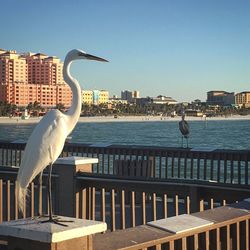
(130, 96)
(28, 78)
(163, 100)
(221, 98)
(192, 112)
(243, 99)
(136, 94)
(95, 97)
(116, 101)
(127, 95)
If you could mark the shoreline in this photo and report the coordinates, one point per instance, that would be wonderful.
(99, 119)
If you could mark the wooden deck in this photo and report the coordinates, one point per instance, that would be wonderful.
(224, 218)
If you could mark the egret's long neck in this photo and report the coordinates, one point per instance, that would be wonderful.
(75, 109)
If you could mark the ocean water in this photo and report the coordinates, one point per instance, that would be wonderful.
(221, 134)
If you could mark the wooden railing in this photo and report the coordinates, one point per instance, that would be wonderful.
(120, 202)
(124, 203)
(222, 166)
(128, 204)
(230, 230)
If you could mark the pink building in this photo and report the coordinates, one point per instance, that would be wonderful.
(28, 78)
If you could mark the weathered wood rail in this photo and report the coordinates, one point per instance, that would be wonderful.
(223, 166)
(121, 203)
(230, 231)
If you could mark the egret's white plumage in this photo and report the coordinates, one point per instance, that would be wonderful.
(47, 139)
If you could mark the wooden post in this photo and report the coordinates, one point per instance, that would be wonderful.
(66, 189)
(32, 233)
(194, 199)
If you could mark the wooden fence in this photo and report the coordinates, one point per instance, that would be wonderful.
(222, 166)
(121, 203)
(230, 231)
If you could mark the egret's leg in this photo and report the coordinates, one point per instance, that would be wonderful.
(49, 193)
(187, 142)
(51, 219)
(182, 141)
(40, 186)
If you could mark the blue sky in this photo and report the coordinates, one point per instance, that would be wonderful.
(176, 48)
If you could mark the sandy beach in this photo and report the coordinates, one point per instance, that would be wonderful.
(15, 120)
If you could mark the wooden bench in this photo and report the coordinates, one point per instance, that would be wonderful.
(134, 168)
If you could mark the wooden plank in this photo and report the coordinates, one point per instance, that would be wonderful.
(8, 199)
(201, 205)
(89, 203)
(103, 205)
(211, 203)
(196, 242)
(179, 165)
(93, 204)
(205, 167)
(176, 205)
(237, 236)
(109, 163)
(166, 165)
(84, 203)
(246, 172)
(247, 234)
(188, 205)
(132, 209)
(113, 221)
(185, 166)
(160, 165)
(225, 169)
(192, 167)
(212, 167)
(154, 206)
(103, 161)
(218, 239)
(239, 171)
(129, 238)
(198, 167)
(218, 169)
(207, 240)
(231, 170)
(172, 166)
(145, 169)
(228, 237)
(184, 243)
(171, 245)
(138, 168)
(123, 210)
(165, 205)
(144, 214)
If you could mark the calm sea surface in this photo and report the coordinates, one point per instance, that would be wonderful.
(226, 134)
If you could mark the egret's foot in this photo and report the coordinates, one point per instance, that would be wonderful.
(56, 220)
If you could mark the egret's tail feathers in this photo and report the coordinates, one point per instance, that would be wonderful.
(21, 195)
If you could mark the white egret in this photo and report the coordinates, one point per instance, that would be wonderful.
(184, 128)
(47, 139)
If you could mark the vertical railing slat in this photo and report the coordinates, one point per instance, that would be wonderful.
(8, 200)
(113, 221)
(123, 209)
(144, 219)
(133, 209)
(103, 205)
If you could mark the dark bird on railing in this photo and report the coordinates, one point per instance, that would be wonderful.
(47, 139)
(184, 128)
